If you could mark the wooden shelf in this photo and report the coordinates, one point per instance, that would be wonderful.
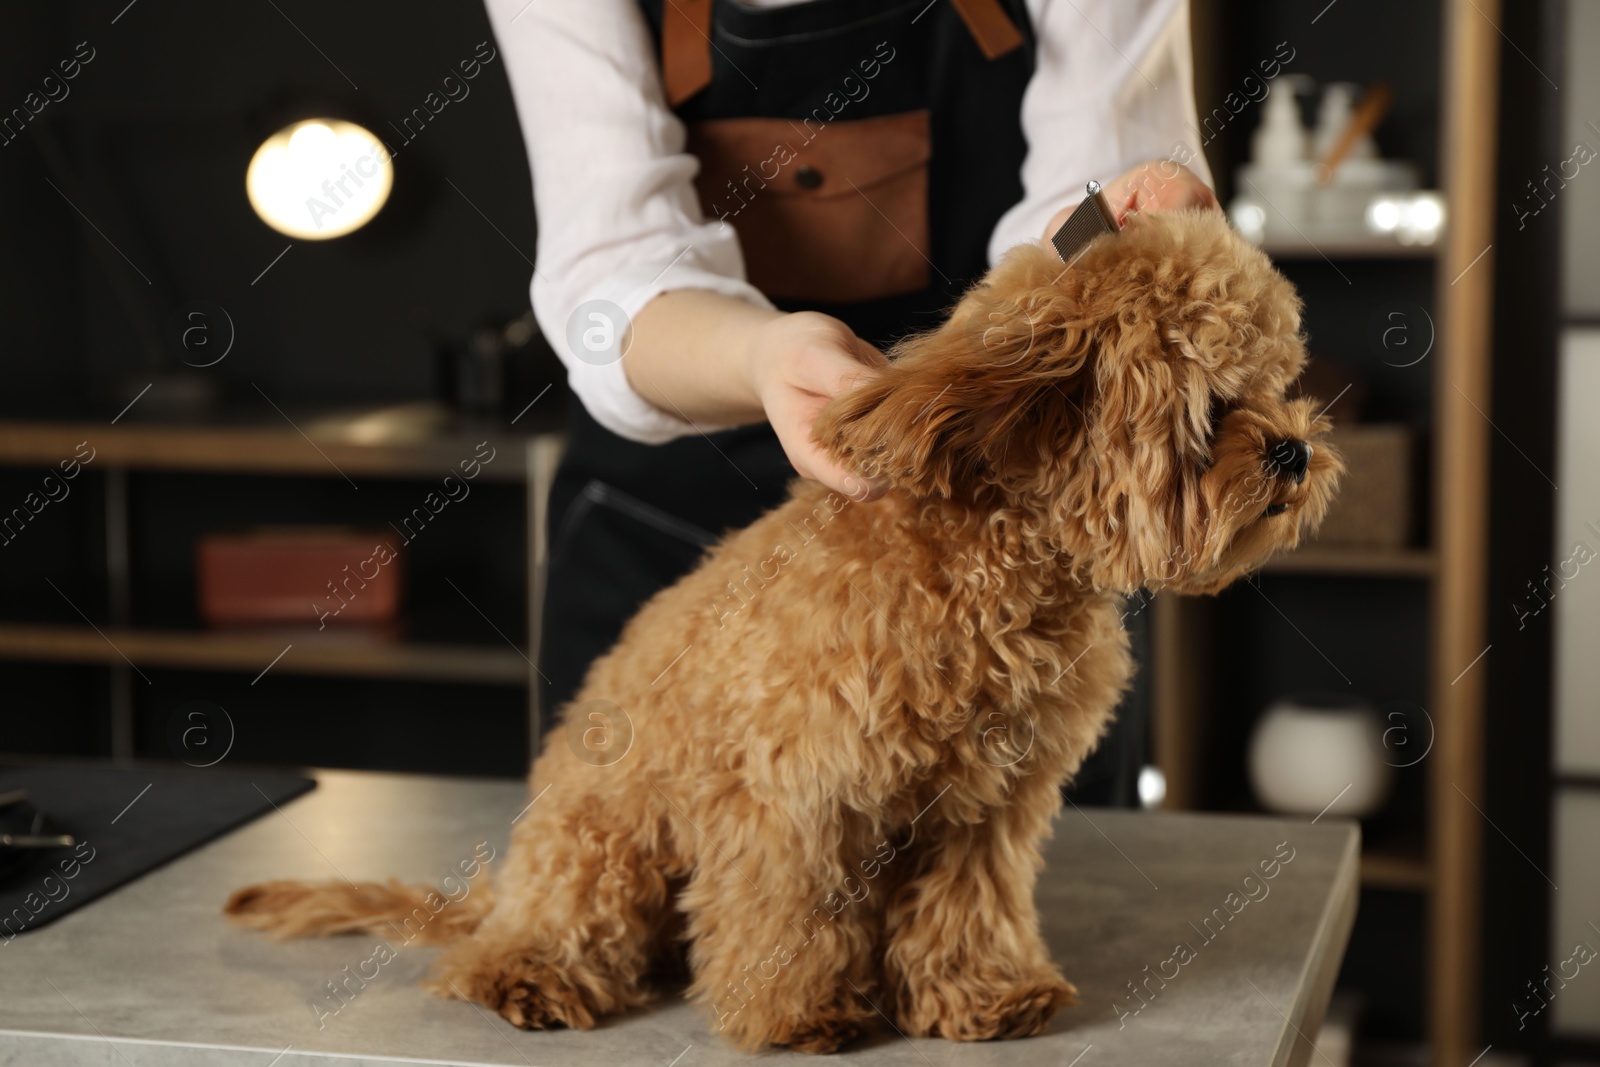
(404, 441)
(1352, 561)
(1384, 868)
(312, 652)
(1314, 245)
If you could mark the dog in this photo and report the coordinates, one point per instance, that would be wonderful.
(846, 730)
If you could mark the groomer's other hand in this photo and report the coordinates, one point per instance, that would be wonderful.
(799, 362)
(1154, 185)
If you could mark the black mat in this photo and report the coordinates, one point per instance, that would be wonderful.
(123, 829)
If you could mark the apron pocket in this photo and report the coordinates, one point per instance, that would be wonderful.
(831, 213)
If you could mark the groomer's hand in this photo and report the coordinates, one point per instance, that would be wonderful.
(1155, 185)
(714, 358)
(797, 363)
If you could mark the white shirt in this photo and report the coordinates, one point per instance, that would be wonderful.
(618, 215)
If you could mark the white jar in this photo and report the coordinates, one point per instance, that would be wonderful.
(1312, 752)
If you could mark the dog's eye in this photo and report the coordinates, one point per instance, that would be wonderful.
(1220, 407)
(1219, 411)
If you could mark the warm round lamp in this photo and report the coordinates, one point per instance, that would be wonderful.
(319, 178)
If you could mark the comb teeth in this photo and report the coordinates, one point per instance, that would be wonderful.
(1092, 218)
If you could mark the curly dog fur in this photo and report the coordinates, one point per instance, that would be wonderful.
(828, 756)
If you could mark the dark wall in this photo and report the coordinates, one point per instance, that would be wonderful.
(38, 256)
(151, 145)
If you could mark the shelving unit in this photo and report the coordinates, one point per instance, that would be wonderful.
(404, 441)
(328, 652)
(1437, 860)
(1343, 246)
(410, 442)
(1369, 562)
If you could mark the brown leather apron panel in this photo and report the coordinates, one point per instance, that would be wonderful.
(835, 213)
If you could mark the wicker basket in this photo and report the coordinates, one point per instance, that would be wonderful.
(1374, 506)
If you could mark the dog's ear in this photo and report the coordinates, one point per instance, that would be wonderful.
(981, 400)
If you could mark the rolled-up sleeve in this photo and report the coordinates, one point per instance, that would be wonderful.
(1113, 86)
(613, 187)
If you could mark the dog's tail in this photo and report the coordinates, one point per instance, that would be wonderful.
(417, 914)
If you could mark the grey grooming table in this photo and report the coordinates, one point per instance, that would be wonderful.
(152, 975)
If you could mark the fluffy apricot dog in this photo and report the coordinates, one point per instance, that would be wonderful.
(827, 758)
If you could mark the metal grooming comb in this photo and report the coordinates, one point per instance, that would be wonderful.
(1092, 218)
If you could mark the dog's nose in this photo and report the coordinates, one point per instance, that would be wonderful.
(1291, 457)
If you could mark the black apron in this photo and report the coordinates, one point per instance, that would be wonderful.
(864, 151)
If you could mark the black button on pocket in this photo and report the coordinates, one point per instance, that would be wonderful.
(807, 176)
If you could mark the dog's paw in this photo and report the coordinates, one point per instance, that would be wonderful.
(546, 1002)
(822, 1036)
(529, 995)
(971, 1012)
(822, 1030)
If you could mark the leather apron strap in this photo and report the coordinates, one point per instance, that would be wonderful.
(686, 40)
(686, 48)
(990, 26)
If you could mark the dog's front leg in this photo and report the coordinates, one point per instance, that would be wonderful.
(784, 938)
(965, 960)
